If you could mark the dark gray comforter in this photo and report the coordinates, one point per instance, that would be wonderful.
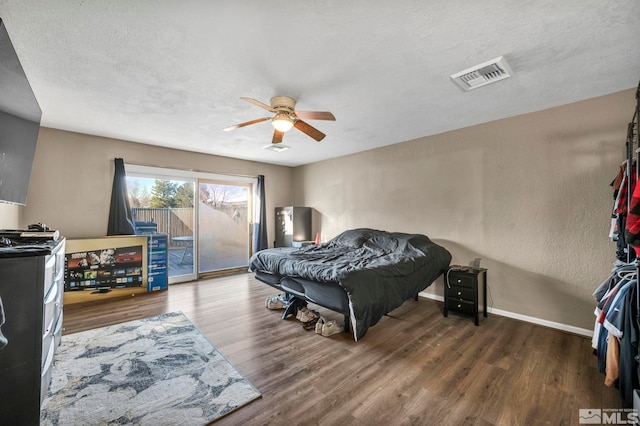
(379, 270)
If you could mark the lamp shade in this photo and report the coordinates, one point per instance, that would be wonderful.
(282, 122)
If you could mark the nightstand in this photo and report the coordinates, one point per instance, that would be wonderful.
(462, 287)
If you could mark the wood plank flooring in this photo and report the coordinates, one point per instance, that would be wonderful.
(414, 367)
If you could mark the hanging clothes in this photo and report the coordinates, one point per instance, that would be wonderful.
(632, 229)
(612, 368)
(623, 320)
(615, 336)
(620, 213)
(621, 201)
(617, 181)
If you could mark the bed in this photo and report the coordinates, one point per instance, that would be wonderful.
(362, 273)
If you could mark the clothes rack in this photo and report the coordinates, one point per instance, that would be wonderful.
(616, 321)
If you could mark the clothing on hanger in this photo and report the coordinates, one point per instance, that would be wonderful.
(632, 230)
(629, 180)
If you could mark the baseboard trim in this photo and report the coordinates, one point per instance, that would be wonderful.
(526, 318)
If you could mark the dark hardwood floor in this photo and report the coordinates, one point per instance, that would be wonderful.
(414, 367)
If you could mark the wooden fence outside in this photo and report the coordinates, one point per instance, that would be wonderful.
(177, 222)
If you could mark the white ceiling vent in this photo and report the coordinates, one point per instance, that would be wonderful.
(486, 73)
(276, 147)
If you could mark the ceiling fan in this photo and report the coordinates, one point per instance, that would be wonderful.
(287, 117)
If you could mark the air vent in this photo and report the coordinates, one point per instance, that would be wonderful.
(276, 147)
(486, 73)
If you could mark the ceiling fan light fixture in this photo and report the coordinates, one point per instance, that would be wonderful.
(282, 122)
(286, 117)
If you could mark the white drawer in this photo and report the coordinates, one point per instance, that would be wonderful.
(47, 367)
(50, 273)
(60, 284)
(52, 306)
(57, 330)
(60, 259)
(48, 346)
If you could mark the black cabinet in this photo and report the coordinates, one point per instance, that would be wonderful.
(31, 293)
(463, 287)
(292, 224)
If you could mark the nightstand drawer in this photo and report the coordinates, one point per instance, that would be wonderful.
(461, 293)
(466, 307)
(461, 280)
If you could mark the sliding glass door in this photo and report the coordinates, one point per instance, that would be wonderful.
(208, 217)
(224, 225)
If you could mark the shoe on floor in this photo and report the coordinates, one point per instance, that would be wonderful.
(319, 324)
(274, 303)
(331, 327)
(310, 325)
(300, 312)
(306, 315)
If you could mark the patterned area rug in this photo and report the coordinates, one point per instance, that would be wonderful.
(154, 371)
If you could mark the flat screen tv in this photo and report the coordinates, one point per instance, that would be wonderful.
(20, 117)
(104, 269)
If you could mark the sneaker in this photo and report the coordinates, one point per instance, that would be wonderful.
(274, 303)
(319, 325)
(301, 312)
(310, 325)
(332, 327)
(306, 315)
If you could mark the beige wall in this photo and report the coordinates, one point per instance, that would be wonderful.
(70, 188)
(530, 195)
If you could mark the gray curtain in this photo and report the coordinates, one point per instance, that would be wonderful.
(260, 241)
(120, 219)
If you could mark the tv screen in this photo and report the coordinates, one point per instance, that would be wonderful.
(104, 268)
(20, 117)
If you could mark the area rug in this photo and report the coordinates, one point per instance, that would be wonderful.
(154, 371)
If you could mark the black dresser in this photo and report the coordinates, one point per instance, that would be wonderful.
(31, 294)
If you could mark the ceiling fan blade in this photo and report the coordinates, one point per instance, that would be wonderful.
(258, 103)
(277, 136)
(315, 115)
(246, 123)
(309, 130)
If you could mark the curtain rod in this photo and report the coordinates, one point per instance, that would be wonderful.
(187, 170)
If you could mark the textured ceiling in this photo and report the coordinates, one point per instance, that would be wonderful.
(171, 73)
